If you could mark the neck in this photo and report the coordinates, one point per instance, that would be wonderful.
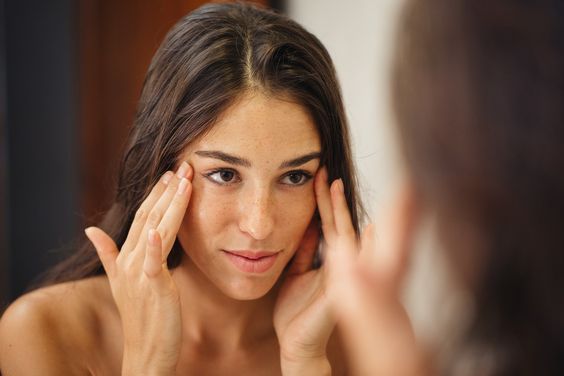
(211, 317)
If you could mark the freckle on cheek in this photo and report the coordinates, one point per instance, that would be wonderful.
(211, 209)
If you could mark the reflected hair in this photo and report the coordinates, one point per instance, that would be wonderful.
(479, 97)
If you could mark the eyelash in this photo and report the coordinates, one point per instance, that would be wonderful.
(305, 177)
(209, 176)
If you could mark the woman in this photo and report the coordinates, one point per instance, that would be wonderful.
(207, 252)
(479, 93)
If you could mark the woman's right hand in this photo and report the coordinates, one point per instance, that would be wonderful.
(141, 284)
(365, 290)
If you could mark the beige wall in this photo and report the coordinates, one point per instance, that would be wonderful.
(359, 37)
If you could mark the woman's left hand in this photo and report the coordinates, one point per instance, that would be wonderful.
(303, 316)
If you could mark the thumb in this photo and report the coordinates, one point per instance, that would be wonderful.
(105, 247)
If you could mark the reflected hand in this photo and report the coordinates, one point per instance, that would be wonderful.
(366, 297)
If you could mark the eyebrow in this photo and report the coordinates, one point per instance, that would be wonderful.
(231, 159)
(238, 161)
(300, 160)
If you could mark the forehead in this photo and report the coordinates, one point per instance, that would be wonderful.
(258, 123)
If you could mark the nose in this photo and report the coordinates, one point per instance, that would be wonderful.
(256, 213)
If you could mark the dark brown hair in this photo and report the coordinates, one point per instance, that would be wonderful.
(479, 96)
(207, 60)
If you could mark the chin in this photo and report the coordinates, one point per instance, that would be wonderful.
(248, 288)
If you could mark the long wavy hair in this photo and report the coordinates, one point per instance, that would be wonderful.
(208, 59)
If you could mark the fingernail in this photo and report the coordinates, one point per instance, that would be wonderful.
(340, 185)
(166, 177)
(182, 186)
(182, 170)
(190, 172)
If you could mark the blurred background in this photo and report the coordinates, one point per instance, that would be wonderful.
(71, 74)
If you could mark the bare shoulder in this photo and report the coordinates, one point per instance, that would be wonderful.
(49, 331)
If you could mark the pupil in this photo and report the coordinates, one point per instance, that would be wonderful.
(226, 175)
(295, 178)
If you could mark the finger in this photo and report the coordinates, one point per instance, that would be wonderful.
(373, 319)
(366, 296)
(367, 242)
(105, 247)
(143, 212)
(153, 263)
(339, 269)
(341, 214)
(366, 307)
(172, 219)
(395, 236)
(345, 240)
(324, 206)
(159, 209)
(303, 259)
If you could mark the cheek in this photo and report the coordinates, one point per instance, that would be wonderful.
(206, 214)
(212, 215)
(295, 213)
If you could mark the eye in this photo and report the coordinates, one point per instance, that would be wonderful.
(223, 176)
(296, 178)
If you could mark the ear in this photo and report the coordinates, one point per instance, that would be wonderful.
(388, 253)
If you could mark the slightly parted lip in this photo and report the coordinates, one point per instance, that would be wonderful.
(252, 255)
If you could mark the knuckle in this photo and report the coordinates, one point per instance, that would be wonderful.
(178, 202)
(173, 184)
(349, 232)
(129, 268)
(154, 217)
(326, 228)
(122, 265)
(164, 233)
(141, 214)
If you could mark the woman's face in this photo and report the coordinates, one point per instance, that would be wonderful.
(252, 194)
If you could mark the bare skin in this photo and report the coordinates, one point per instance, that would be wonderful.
(376, 329)
(77, 331)
(205, 316)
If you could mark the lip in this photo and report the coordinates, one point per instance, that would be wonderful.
(252, 261)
